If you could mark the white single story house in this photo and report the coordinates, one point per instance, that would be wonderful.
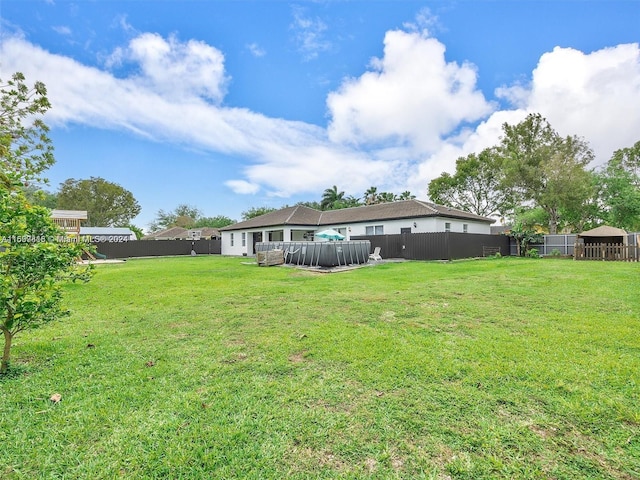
(299, 223)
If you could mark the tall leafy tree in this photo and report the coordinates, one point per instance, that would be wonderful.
(218, 221)
(183, 215)
(619, 183)
(107, 203)
(474, 187)
(567, 184)
(38, 196)
(25, 148)
(256, 212)
(540, 166)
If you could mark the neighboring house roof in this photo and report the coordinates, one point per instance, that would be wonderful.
(105, 231)
(305, 216)
(208, 231)
(173, 232)
(604, 231)
(182, 233)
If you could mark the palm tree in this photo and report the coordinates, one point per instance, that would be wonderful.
(371, 196)
(406, 195)
(330, 197)
(386, 197)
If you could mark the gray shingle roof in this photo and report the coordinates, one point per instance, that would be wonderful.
(173, 232)
(604, 231)
(300, 215)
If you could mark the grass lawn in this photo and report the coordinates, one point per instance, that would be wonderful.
(208, 367)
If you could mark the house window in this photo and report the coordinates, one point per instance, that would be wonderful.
(374, 230)
(232, 239)
(244, 239)
(447, 227)
(465, 228)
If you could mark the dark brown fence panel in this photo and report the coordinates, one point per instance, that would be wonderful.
(426, 246)
(469, 245)
(437, 246)
(155, 248)
(390, 245)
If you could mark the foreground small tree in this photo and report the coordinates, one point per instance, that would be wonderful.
(33, 263)
(25, 148)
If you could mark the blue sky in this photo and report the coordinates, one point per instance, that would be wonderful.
(228, 105)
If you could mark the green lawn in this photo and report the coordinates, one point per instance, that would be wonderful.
(209, 367)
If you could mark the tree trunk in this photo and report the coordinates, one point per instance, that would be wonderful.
(8, 337)
(553, 222)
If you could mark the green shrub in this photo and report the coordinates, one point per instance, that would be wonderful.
(532, 253)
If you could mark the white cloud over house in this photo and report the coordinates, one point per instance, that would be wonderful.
(402, 122)
(411, 95)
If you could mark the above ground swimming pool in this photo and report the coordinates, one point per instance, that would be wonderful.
(321, 254)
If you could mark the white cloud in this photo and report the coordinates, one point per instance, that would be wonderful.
(62, 30)
(425, 22)
(309, 34)
(410, 96)
(285, 157)
(180, 69)
(256, 50)
(398, 125)
(242, 186)
(596, 95)
(122, 22)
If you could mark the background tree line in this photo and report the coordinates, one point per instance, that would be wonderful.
(334, 199)
(534, 176)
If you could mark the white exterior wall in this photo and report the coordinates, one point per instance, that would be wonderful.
(423, 225)
(390, 227)
(289, 233)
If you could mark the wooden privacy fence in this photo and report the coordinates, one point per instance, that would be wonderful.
(438, 245)
(607, 251)
(153, 248)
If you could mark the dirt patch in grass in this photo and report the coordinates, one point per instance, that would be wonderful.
(298, 357)
(307, 459)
